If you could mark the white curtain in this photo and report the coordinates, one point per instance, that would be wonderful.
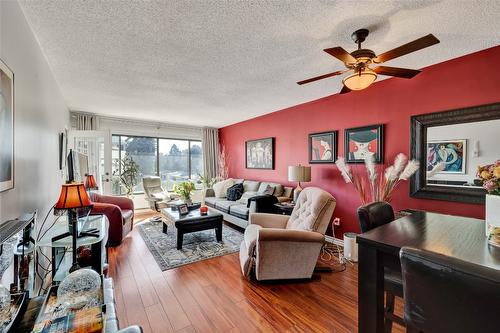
(86, 122)
(210, 144)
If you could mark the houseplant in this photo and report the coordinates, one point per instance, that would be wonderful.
(128, 175)
(490, 176)
(185, 189)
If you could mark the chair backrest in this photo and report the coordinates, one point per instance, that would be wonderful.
(151, 184)
(443, 294)
(374, 215)
(313, 210)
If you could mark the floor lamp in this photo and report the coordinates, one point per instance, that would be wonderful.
(73, 197)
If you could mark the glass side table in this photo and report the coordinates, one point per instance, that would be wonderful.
(61, 258)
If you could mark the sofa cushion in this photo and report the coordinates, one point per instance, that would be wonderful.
(247, 195)
(278, 188)
(250, 186)
(210, 201)
(239, 210)
(220, 188)
(224, 205)
(287, 192)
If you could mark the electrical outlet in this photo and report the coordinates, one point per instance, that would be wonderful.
(336, 221)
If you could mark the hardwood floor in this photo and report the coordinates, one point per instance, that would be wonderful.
(212, 296)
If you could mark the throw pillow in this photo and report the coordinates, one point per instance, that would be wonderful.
(235, 192)
(268, 190)
(220, 188)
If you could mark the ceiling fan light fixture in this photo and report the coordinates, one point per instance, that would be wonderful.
(360, 81)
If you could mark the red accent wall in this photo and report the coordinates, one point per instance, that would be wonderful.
(466, 81)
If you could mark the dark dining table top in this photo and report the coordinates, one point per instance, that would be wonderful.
(461, 237)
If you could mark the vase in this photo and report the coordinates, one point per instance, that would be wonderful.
(493, 219)
(188, 201)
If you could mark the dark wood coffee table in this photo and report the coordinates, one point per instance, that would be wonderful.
(192, 222)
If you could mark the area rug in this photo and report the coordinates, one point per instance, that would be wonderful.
(197, 246)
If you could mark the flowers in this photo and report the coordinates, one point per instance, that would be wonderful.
(490, 175)
(184, 189)
(382, 183)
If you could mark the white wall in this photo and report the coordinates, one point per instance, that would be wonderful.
(40, 114)
(486, 133)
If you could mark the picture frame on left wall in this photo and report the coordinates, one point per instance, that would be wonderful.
(259, 154)
(6, 128)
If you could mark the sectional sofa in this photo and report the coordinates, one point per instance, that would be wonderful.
(237, 212)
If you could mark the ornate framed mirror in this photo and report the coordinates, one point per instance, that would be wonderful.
(450, 145)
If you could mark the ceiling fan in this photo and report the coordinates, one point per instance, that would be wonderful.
(359, 62)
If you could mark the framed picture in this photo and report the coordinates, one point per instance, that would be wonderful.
(6, 128)
(259, 154)
(183, 209)
(453, 153)
(323, 147)
(361, 142)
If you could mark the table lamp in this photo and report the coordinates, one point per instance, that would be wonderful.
(90, 183)
(73, 196)
(298, 173)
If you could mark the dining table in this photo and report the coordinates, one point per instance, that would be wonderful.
(460, 237)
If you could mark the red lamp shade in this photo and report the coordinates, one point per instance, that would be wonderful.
(73, 196)
(90, 183)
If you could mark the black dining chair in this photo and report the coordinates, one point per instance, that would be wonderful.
(371, 216)
(444, 294)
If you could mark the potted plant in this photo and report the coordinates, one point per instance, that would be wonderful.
(490, 177)
(128, 175)
(185, 189)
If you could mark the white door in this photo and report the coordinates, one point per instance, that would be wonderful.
(96, 145)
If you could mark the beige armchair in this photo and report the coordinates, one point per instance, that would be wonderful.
(157, 197)
(287, 247)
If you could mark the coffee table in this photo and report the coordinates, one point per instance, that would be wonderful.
(192, 222)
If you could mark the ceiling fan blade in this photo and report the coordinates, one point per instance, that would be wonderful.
(324, 76)
(397, 72)
(340, 54)
(344, 90)
(410, 47)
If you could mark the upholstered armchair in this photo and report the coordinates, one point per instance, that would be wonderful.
(157, 197)
(120, 214)
(287, 247)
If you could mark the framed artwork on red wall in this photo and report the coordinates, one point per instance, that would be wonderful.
(259, 154)
(361, 142)
(323, 147)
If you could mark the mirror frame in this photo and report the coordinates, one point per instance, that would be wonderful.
(419, 124)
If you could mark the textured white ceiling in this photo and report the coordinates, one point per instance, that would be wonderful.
(213, 63)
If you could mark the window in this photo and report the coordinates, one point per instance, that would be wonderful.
(173, 160)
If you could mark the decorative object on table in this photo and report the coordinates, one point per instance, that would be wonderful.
(6, 128)
(90, 183)
(183, 209)
(196, 246)
(358, 62)
(127, 170)
(259, 154)
(298, 173)
(73, 197)
(451, 153)
(185, 189)
(379, 184)
(285, 208)
(203, 210)
(490, 176)
(78, 288)
(361, 142)
(323, 147)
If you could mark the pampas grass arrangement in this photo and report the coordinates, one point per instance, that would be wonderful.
(382, 183)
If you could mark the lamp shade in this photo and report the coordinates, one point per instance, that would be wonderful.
(73, 196)
(299, 173)
(360, 81)
(90, 183)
